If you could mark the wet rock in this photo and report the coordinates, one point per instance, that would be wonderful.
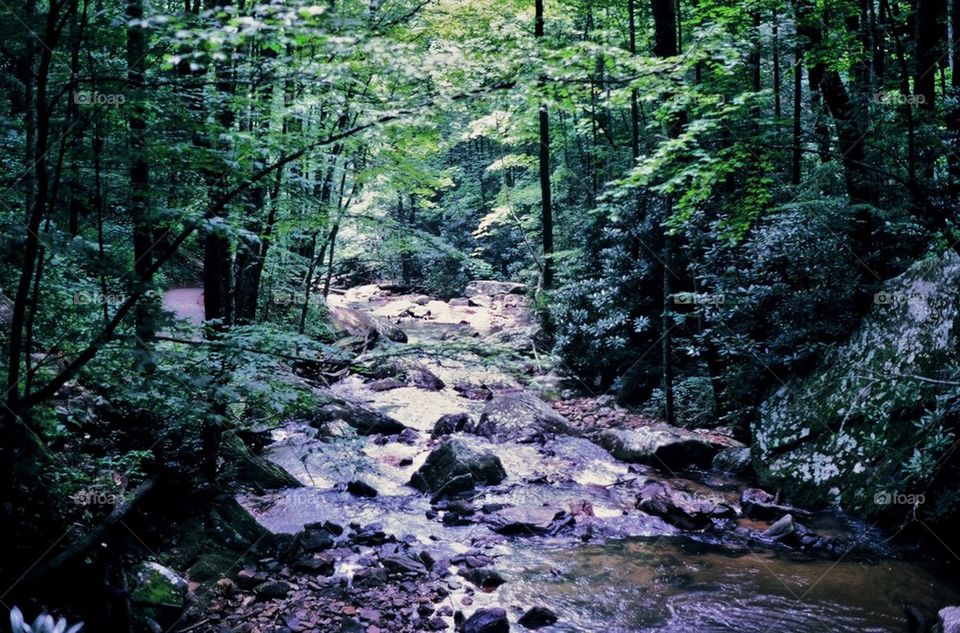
(423, 378)
(455, 459)
(364, 420)
(519, 416)
(158, 587)
(248, 579)
(733, 460)
(493, 620)
(361, 489)
(781, 529)
(683, 509)
(949, 620)
(255, 470)
(451, 423)
(350, 322)
(520, 338)
(319, 564)
(486, 579)
(314, 540)
(454, 486)
(529, 520)
(403, 563)
(370, 577)
(385, 384)
(660, 446)
(760, 504)
(371, 534)
(273, 590)
(489, 287)
(537, 617)
(472, 390)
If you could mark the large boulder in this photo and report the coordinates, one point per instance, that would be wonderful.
(489, 287)
(454, 466)
(847, 432)
(365, 421)
(660, 445)
(354, 323)
(519, 416)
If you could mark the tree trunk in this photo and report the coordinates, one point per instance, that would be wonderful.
(139, 172)
(546, 215)
(666, 45)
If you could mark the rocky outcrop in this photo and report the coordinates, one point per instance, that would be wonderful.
(846, 432)
(455, 467)
(660, 446)
(519, 416)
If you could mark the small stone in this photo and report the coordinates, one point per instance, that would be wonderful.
(273, 590)
(538, 617)
(361, 489)
(491, 620)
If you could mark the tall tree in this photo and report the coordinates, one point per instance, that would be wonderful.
(667, 45)
(546, 215)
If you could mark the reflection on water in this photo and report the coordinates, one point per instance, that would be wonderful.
(674, 584)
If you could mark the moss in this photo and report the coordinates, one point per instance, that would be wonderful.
(158, 586)
(841, 434)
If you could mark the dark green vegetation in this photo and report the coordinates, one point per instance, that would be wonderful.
(704, 198)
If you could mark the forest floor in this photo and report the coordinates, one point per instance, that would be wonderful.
(649, 540)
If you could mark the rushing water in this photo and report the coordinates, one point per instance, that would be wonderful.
(634, 573)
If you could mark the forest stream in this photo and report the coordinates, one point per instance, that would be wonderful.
(574, 541)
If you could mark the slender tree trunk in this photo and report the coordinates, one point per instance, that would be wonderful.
(777, 109)
(546, 215)
(139, 172)
(666, 45)
(797, 114)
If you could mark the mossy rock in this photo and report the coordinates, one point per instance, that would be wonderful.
(844, 433)
(158, 586)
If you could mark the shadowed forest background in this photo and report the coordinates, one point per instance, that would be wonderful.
(698, 236)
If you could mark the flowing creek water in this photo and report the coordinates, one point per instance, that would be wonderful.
(617, 569)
